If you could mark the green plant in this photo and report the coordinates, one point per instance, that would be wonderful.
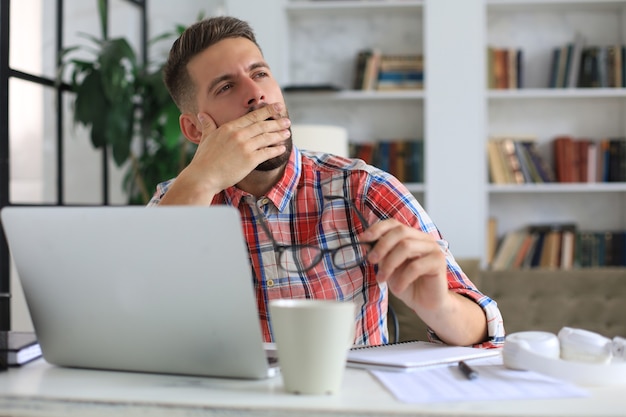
(126, 108)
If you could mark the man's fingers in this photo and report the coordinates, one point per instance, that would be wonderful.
(272, 111)
(206, 123)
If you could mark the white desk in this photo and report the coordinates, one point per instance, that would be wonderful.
(40, 389)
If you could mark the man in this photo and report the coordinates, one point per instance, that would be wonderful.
(316, 225)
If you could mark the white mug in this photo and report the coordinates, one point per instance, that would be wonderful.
(312, 341)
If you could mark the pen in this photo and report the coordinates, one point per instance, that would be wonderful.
(467, 371)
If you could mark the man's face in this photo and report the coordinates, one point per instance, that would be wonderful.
(231, 79)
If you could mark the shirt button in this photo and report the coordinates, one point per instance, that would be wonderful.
(265, 201)
(270, 282)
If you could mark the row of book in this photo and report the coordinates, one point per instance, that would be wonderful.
(377, 71)
(560, 246)
(578, 65)
(504, 68)
(573, 65)
(403, 158)
(587, 160)
(514, 160)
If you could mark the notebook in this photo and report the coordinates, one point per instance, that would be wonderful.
(163, 290)
(18, 348)
(408, 356)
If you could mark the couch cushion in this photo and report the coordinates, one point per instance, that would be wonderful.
(539, 299)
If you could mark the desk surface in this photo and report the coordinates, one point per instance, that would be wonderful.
(40, 389)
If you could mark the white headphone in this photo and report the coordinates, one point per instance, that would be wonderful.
(576, 355)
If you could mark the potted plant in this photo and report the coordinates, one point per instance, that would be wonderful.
(126, 108)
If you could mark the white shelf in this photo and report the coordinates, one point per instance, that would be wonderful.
(543, 5)
(415, 187)
(355, 95)
(616, 187)
(556, 93)
(354, 5)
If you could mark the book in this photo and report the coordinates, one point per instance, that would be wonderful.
(538, 162)
(359, 70)
(576, 63)
(568, 238)
(526, 246)
(370, 74)
(554, 67)
(500, 66)
(497, 167)
(507, 146)
(407, 356)
(492, 239)
(415, 160)
(564, 158)
(541, 231)
(550, 253)
(528, 171)
(507, 250)
(18, 348)
(400, 72)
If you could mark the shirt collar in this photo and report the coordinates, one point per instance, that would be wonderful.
(281, 193)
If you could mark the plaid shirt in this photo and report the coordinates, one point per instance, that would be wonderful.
(297, 213)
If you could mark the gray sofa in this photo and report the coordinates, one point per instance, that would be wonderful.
(540, 299)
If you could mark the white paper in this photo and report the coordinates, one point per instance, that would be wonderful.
(495, 382)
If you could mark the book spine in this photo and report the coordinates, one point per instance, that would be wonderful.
(4, 351)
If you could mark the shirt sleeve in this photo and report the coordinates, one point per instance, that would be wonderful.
(161, 189)
(389, 198)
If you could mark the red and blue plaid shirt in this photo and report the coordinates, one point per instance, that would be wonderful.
(297, 213)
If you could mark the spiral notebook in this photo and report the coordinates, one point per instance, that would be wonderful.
(408, 356)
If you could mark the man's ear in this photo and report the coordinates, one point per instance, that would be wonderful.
(191, 127)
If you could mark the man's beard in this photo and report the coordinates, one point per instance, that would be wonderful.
(277, 161)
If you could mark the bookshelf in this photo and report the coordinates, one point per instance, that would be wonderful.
(317, 41)
(456, 113)
(393, 27)
(537, 27)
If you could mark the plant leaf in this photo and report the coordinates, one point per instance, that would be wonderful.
(119, 68)
(161, 37)
(87, 108)
(103, 12)
(115, 50)
(89, 36)
(120, 131)
(171, 126)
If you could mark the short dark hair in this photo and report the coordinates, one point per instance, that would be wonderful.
(195, 39)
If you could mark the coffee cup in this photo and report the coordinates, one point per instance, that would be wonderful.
(312, 340)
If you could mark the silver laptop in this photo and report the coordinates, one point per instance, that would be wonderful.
(162, 290)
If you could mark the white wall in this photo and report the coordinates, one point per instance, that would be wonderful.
(269, 23)
(455, 118)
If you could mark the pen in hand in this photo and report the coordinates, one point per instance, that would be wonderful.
(467, 371)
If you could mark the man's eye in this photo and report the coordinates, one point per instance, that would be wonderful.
(224, 88)
(261, 74)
